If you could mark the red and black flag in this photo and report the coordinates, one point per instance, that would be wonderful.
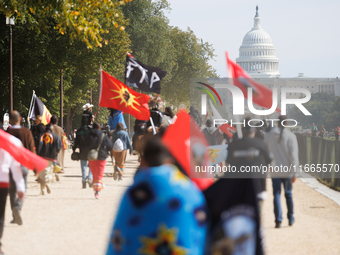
(115, 94)
(143, 77)
(39, 108)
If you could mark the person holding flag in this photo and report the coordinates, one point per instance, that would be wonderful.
(156, 115)
(87, 116)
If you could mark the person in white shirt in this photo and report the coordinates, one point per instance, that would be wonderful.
(7, 164)
(283, 145)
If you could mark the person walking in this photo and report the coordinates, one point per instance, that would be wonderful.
(121, 143)
(336, 132)
(213, 134)
(26, 138)
(155, 114)
(314, 129)
(115, 117)
(60, 132)
(283, 145)
(100, 142)
(7, 165)
(81, 141)
(87, 115)
(322, 131)
(37, 130)
(48, 148)
(169, 117)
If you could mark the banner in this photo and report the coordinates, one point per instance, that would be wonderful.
(39, 108)
(115, 94)
(218, 153)
(143, 77)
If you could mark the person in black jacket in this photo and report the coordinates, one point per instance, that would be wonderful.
(48, 148)
(155, 114)
(81, 141)
(100, 142)
(37, 130)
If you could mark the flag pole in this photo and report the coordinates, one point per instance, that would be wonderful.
(237, 119)
(153, 126)
(100, 87)
(61, 99)
(31, 105)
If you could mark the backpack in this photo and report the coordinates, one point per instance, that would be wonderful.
(118, 146)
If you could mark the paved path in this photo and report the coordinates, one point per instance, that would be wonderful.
(317, 224)
(70, 221)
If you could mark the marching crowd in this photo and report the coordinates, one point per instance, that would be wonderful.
(164, 211)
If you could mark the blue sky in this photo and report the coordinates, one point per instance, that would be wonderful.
(306, 34)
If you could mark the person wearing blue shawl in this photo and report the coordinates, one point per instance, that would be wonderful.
(163, 212)
(115, 117)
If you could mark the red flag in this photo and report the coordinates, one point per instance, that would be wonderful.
(20, 154)
(262, 95)
(115, 94)
(227, 129)
(180, 138)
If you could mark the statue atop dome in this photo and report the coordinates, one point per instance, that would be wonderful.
(257, 52)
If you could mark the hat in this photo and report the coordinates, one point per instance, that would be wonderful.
(38, 117)
(87, 106)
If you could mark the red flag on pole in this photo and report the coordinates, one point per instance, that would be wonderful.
(20, 154)
(179, 139)
(115, 94)
(227, 129)
(262, 95)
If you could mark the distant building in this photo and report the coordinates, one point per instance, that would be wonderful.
(257, 52)
(257, 57)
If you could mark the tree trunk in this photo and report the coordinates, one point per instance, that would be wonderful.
(68, 121)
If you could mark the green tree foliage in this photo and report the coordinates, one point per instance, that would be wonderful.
(78, 36)
(191, 61)
(324, 109)
(82, 20)
(38, 59)
(180, 53)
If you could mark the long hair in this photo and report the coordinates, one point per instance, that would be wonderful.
(120, 126)
(169, 112)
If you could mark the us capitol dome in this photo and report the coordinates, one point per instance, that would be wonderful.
(257, 52)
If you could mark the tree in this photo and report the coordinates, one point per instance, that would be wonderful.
(190, 62)
(320, 106)
(38, 58)
(82, 20)
(156, 43)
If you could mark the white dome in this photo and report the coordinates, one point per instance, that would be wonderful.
(257, 52)
(258, 36)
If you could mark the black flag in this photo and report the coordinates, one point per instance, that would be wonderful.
(143, 77)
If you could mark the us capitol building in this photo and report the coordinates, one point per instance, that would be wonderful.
(257, 57)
